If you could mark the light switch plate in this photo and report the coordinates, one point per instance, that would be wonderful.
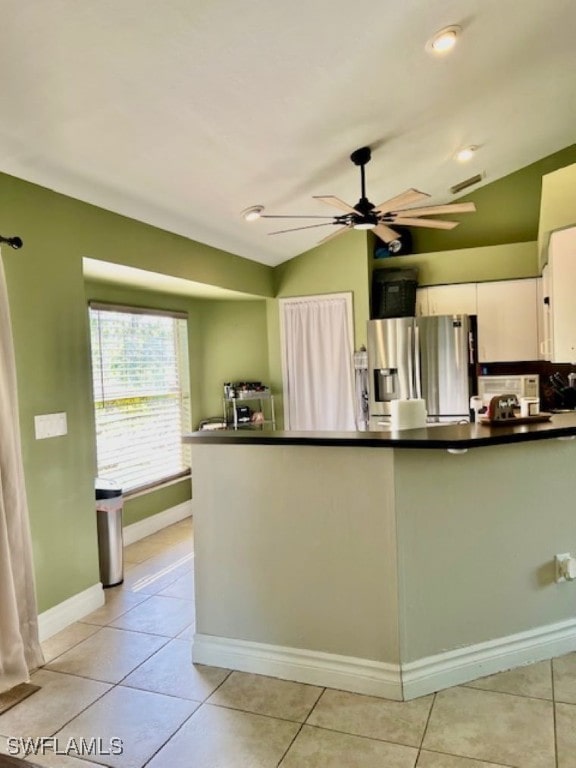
(50, 425)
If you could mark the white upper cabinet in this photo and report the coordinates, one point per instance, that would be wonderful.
(508, 320)
(562, 295)
(457, 299)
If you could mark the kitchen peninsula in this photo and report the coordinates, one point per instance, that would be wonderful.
(388, 563)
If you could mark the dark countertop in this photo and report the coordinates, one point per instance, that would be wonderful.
(448, 437)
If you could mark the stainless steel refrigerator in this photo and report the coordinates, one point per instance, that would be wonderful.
(431, 357)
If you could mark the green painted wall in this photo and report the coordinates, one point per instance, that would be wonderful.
(467, 521)
(234, 348)
(507, 209)
(558, 207)
(50, 330)
(48, 308)
(469, 265)
(275, 359)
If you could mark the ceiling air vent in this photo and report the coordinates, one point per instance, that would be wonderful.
(466, 183)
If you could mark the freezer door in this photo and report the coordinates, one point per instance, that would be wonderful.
(444, 343)
(391, 362)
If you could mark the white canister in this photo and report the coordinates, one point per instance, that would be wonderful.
(529, 406)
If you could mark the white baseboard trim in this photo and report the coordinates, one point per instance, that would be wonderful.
(313, 667)
(73, 609)
(154, 523)
(388, 681)
(466, 664)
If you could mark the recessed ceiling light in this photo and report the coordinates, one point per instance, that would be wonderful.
(444, 40)
(466, 154)
(252, 213)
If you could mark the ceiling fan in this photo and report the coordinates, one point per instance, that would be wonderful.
(379, 218)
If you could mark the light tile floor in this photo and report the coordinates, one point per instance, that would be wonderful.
(124, 673)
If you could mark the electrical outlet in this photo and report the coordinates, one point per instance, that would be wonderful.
(50, 425)
(565, 567)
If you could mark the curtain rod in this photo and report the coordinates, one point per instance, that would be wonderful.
(13, 242)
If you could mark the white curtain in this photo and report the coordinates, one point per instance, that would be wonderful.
(318, 369)
(19, 647)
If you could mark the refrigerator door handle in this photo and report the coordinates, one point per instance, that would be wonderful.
(471, 350)
(417, 362)
(410, 362)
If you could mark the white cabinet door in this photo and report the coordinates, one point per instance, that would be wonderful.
(456, 299)
(562, 274)
(507, 321)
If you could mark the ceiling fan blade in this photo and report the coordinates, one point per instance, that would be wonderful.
(385, 233)
(405, 198)
(297, 229)
(432, 210)
(335, 201)
(281, 216)
(334, 234)
(430, 223)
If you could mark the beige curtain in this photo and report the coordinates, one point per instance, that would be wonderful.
(19, 647)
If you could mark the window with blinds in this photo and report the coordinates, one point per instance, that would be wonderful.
(141, 394)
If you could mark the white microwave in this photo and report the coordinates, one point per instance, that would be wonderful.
(521, 385)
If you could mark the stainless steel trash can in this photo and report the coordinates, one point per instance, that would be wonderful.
(109, 503)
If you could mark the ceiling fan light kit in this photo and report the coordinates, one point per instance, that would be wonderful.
(379, 218)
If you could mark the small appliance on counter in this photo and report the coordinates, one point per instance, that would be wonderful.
(521, 385)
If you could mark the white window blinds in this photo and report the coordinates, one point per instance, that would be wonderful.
(141, 394)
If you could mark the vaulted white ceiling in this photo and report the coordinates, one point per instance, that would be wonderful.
(181, 113)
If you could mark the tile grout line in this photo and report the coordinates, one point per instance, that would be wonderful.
(89, 624)
(202, 703)
(361, 735)
(479, 760)
(425, 728)
(506, 693)
(289, 747)
(299, 731)
(74, 645)
(251, 712)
